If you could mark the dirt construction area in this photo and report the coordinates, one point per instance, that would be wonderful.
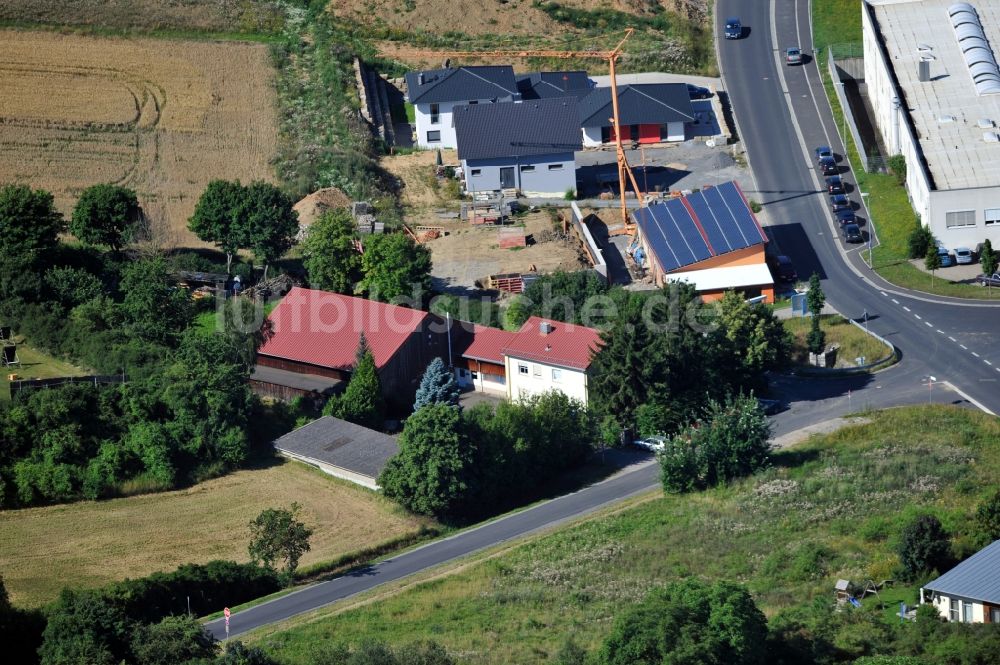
(163, 117)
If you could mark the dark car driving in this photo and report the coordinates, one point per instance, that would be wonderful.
(734, 28)
(835, 185)
(852, 233)
(823, 151)
(840, 202)
(828, 165)
(782, 268)
(846, 217)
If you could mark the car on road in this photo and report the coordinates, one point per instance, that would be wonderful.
(770, 406)
(989, 280)
(783, 269)
(734, 28)
(852, 233)
(846, 217)
(963, 255)
(840, 202)
(653, 443)
(828, 166)
(698, 92)
(823, 151)
(835, 185)
(946, 260)
(793, 56)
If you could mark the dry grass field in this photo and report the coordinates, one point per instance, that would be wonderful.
(163, 117)
(88, 544)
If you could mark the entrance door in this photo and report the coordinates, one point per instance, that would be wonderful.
(507, 177)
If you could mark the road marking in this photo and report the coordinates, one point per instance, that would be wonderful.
(975, 354)
(940, 331)
(988, 363)
(919, 318)
(884, 293)
(928, 324)
(906, 308)
(964, 347)
(952, 338)
(895, 302)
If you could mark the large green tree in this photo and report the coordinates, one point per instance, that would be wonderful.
(395, 267)
(923, 547)
(268, 221)
(217, 219)
(276, 533)
(85, 627)
(751, 338)
(563, 296)
(430, 474)
(988, 262)
(688, 623)
(29, 231)
(153, 308)
(330, 257)
(815, 299)
(106, 215)
(362, 402)
(175, 640)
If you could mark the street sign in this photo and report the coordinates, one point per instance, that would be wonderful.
(226, 612)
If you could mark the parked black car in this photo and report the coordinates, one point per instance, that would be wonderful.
(852, 233)
(698, 92)
(846, 217)
(835, 185)
(840, 202)
(828, 165)
(782, 268)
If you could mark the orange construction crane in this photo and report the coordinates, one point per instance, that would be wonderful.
(612, 57)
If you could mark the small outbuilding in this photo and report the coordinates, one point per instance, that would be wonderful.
(969, 592)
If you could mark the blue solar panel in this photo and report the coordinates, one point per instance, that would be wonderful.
(688, 232)
(742, 214)
(713, 221)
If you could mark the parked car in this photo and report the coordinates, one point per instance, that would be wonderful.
(840, 202)
(698, 92)
(835, 185)
(770, 406)
(793, 56)
(846, 217)
(852, 233)
(828, 165)
(823, 151)
(734, 29)
(946, 260)
(989, 280)
(963, 255)
(654, 443)
(783, 269)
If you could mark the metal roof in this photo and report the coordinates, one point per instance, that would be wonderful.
(342, 444)
(638, 104)
(544, 85)
(976, 578)
(460, 84)
(712, 222)
(517, 129)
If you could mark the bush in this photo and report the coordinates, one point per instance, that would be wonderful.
(897, 164)
(921, 239)
(988, 519)
(923, 548)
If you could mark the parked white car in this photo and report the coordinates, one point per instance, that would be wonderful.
(963, 255)
(653, 443)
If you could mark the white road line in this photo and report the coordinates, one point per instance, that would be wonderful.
(988, 363)
(884, 293)
(928, 324)
(964, 347)
(940, 331)
(906, 308)
(895, 302)
(975, 354)
(919, 318)
(952, 338)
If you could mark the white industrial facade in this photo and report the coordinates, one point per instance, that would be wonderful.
(947, 132)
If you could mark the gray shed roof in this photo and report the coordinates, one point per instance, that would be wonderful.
(976, 578)
(638, 104)
(544, 85)
(517, 129)
(340, 443)
(460, 84)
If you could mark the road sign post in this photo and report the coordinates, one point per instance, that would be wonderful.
(227, 613)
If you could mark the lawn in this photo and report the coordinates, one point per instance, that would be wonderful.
(87, 544)
(36, 364)
(829, 508)
(853, 342)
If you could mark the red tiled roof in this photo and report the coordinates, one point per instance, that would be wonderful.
(482, 342)
(567, 345)
(323, 328)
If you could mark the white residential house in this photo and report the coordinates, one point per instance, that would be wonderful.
(969, 592)
(435, 93)
(547, 355)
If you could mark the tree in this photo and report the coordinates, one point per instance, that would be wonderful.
(562, 296)
(923, 547)
(395, 267)
(988, 519)
(237, 653)
(988, 262)
(153, 308)
(731, 442)
(269, 224)
(688, 622)
(106, 215)
(437, 387)
(362, 402)
(815, 299)
(330, 258)
(921, 239)
(277, 534)
(216, 217)
(29, 231)
(85, 627)
(430, 475)
(932, 261)
(753, 339)
(174, 640)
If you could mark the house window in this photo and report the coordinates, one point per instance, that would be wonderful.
(992, 216)
(536, 371)
(953, 610)
(522, 369)
(475, 173)
(475, 376)
(434, 136)
(556, 375)
(959, 218)
(966, 611)
(435, 114)
(527, 168)
(555, 167)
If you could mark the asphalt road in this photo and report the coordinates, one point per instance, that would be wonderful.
(950, 339)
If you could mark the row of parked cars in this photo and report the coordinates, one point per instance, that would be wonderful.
(841, 206)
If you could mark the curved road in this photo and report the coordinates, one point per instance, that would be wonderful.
(952, 340)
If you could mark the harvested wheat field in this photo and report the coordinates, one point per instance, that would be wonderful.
(163, 117)
(81, 544)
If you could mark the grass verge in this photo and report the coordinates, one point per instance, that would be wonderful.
(827, 509)
(853, 342)
(36, 364)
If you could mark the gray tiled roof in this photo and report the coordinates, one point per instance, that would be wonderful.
(340, 443)
(976, 578)
(638, 104)
(544, 85)
(508, 129)
(460, 84)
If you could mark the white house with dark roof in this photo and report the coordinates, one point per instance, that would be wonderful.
(526, 146)
(545, 85)
(969, 592)
(648, 113)
(435, 93)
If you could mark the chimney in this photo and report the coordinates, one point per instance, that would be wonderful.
(545, 327)
(548, 347)
(420, 78)
(924, 70)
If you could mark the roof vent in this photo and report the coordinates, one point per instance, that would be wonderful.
(923, 70)
(420, 78)
(545, 327)
(924, 48)
(976, 49)
(548, 347)
(945, 119)
(985, 123)
(991, 137)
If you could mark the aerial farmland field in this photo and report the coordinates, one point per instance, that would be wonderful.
(163, 117)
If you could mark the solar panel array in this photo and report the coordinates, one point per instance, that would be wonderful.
(976, 48)
(714, 221)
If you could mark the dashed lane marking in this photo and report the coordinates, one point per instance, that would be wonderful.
(952, 338)
(975, 354)
(906, 308)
